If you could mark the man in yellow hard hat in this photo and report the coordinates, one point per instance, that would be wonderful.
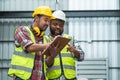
(62, 66)
(27, 59)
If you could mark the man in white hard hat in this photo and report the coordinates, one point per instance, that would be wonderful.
(62, 66)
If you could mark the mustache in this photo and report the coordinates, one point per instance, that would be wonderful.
(53, 31)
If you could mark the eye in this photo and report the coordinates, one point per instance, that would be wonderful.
(46, 20)
(61, 25)
(55, 24)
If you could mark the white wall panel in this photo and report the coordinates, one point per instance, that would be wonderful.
(91, 32)
(95, 33)
(98, 36)
(28, 5)
(93, 4)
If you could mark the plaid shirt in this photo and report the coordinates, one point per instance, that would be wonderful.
(22, 38)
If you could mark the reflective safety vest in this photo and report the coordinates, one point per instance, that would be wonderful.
(22, 63)
(64, 63)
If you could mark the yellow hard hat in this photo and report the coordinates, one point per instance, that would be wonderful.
(43, 10)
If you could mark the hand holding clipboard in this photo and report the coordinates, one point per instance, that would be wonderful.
(56, 45)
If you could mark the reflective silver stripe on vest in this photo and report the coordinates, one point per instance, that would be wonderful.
(53, 68)
(65, 55)
(21, 68)
(58, 68)
(69, 67)
(24, 54)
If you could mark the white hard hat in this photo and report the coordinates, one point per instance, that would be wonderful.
(58, 14)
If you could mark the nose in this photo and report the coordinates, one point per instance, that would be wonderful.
(47, 22)
(58, 26)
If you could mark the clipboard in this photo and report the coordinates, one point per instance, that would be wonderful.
(58, 39)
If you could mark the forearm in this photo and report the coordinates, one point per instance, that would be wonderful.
(76, 53)
(36, 47)
(49, 61)
(79, 55)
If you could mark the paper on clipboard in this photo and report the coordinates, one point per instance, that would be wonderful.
(58, 39)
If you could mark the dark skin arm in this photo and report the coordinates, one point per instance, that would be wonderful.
(75, 51)
(52, 54)
(49, 60)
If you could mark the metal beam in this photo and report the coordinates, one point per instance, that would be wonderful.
(93, 13)
(15, 14)
(69, 13)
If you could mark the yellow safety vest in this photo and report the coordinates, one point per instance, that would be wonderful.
(67, 60)
(22, 63)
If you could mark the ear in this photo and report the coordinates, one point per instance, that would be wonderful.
(36, 18)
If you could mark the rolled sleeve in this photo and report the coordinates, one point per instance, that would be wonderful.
(22, 37)
(81, 52)
(81, 58)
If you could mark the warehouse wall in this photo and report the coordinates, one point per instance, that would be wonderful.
(94, 4)
(95, 34)
(98, 37)
(18, 5)
(8, 25)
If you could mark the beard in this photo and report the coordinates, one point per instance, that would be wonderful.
(54, 33)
